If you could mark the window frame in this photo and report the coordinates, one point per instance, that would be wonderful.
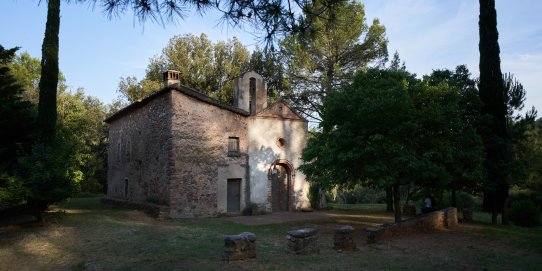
(233, 146)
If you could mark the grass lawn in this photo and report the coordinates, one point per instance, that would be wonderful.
(83, 234)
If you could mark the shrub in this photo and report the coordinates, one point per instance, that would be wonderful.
(314, 195)
(11, 191)
(524, 213)
(358, 194)
(463, 200)
(525, 194)
(48, 175)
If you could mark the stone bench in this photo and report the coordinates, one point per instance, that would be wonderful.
(445, 218)
(344, 238)
(239, 247)
(303, 241)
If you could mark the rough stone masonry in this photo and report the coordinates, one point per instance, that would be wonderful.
(303, 241)
(239, 247)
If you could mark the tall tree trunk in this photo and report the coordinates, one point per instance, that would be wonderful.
(492, 95)
(389, 199)
(504, 218)
(49, 75)
(454, 199)
(494, 216)
(397, 202)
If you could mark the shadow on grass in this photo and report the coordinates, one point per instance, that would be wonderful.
(87, 235)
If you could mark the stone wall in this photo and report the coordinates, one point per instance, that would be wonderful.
(200, 164)
(445, 218)
(265, 149)
(139, 148)
(239, 247)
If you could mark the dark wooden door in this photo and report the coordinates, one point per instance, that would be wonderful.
(234, 195)
(279, 188)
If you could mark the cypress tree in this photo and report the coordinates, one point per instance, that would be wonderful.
(492, 95)
(49, 75)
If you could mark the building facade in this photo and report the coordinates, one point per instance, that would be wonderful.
(198, 157)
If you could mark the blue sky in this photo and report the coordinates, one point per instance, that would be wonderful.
(428, 34)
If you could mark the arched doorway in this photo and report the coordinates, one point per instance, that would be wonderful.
(281, 180)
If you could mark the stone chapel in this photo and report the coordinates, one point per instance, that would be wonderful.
(193, 156)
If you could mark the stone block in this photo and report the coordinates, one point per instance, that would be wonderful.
(450, 217)
(409, 210)
(344, 238)
(239, 247)
(303, 241)
(446, 218)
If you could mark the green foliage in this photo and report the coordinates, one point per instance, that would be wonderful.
(451, 117)
(48, 83)
(492, 95)
(80, 119)
(326, 58)
(314, 195)
(367, 135)
(203, 65)
(267, 19)
(267, 63)
(358, 194)
(49, 174)
(367, 132)
(464, 200)
(534, 196)
(524, 213)
(17, 122)
(133, 90)
(82, 126)
(389, 129)
(12, 191)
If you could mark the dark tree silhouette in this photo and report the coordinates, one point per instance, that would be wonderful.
(492, 95)
(49, 75)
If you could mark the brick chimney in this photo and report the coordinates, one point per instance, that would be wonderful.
(171, 78)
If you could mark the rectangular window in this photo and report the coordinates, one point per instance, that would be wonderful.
(126, 188)
(119, 153)
(233, 146)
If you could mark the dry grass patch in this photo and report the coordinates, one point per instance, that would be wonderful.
(83, 234)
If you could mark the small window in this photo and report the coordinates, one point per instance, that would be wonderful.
(233, 146)
(119, 153)
(281, 142)
(126, 187)
(252, 95)
(128, 150)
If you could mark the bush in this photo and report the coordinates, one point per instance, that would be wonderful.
(314, 195)
(524, 213)
(358, 194)
(525, 194)
(48, 175)
(11, 191)
(463, 200)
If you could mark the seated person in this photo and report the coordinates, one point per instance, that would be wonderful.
(427, 205)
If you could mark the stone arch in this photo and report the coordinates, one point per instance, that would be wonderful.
(271, 177)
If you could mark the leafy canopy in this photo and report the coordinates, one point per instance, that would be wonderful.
(326, 57)
(203, 65)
